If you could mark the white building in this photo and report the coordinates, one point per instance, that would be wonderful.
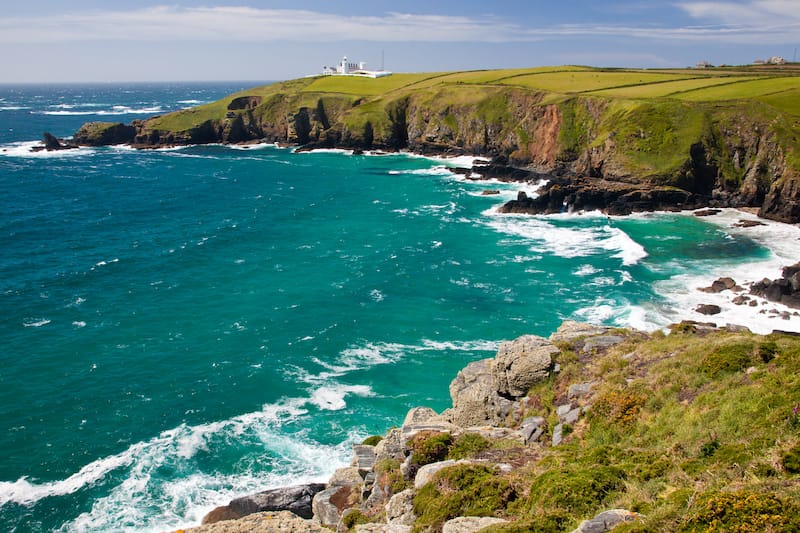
(345, 68)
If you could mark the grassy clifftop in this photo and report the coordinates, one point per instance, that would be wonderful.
(730, 134)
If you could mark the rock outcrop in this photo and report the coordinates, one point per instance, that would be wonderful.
(295, 499)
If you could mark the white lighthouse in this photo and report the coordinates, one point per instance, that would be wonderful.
(345, 68)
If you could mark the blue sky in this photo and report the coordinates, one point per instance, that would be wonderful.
(173, 40)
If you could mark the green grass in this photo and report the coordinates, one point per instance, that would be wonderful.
(667, 88)
(365, 86)
(744, 89)
(587, 81)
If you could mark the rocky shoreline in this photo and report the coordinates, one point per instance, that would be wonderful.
(567, 433)
(376, 493)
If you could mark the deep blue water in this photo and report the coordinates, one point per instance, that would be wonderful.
(184, 326)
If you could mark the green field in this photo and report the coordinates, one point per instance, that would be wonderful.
(587, 81)
(777, 87)
(667, 88)
(746, 89)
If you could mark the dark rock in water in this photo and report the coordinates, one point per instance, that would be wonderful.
(708, 309)
(748, 223)
(490, 192)
(53, 143)
(707, 212)
(296, 499)
(721, 284)
(563, 194)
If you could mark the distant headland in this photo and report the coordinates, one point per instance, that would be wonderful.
(621, 140)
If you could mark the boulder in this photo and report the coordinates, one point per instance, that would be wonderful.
(521, 363)
(419, 415)
(400, 509)
(708, 309)
(329, 504)
(558, 434)
(391, 447)
(606, 521)
(532, 428)
(579, 390)
(475, 399)
(426, 472)
(363, 458)
(569, 331)
(470, 524)
(382, 528)
(263, 523)
(346, 477)
(296, 499)
(601, 342)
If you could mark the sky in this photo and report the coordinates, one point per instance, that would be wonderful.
(238, 40)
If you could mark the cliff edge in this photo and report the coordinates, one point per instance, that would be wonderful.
(663, 138)
(590, 430)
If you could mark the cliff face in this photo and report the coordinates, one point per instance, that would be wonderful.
(733, 154)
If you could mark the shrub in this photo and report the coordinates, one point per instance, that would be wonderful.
(460, 490)
(728, 358)
(578, 491)
(743, 511)
(709, 448)
(427, 447)
(619, 406)
(467, 445)
(353, 518)
(373, 440)
(390, 476)
(767, 351)
(791, 460)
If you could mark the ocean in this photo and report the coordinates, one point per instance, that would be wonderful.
(184, 326)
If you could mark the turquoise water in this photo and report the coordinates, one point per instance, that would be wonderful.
(184, 326)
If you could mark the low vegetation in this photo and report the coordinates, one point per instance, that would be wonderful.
(695, 431)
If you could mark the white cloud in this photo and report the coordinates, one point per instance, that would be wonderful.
(168, 23)
(760, 21)
(756, 13)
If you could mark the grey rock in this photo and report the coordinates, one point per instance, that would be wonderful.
(442, 426)
(264, 522)
(475, 399)
(572, 416)
(391, 447)
(562, 410)
(602, 342)
(324, 510)
(363, 457)
(558, 434)
(419, 415)
(426, 472)
(346, 477)
(531, 429)
(521, 363)
(296, 499)
(606, 521)
(570, 330)
(382, 528)
(580, 390)
(400, 509)
(470, 524)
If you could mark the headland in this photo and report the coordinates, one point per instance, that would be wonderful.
(613, 139)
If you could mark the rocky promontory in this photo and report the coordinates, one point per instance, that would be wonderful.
(598, 148)
(589, 430)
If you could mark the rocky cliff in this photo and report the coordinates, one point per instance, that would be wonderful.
(588, 430)
(646, 152)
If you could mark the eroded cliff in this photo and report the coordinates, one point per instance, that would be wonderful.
(632, 153)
